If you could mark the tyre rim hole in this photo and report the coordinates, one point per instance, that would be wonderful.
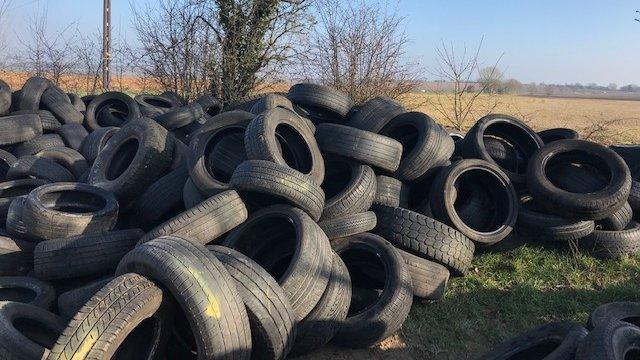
(158, 102)
(337, 177)
(368, 277)
(523, 143)
(36, 331)
(139, 342)
(73, 201)
(122, 158)
(216, 167)
(479, 185)
(406, 134)
(294, 148)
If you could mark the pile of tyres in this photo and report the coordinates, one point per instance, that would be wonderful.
(611, 333)
(149, 226)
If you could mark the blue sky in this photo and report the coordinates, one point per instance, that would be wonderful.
(542, 41)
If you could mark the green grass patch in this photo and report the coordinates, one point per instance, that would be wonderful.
(508, 292)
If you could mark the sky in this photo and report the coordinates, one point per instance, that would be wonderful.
(561, 41)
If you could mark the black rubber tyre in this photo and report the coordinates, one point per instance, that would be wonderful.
(216, 149)
(16, 256)
(5, 98)
(93, 144)
(428, 279)
(128, 317)
(18, 128)
(364, 146)
(62, 210)
(77, 102)
(126, 106)
(190, 195)
(625, 311)
(272, 320)
(450, 186)
(551, 135)
(73, 135)
(280, 136)
(503, 153)
(210, 106)
(49, 122)
(377, 320)
(152, 105)
(375, 113)
(206, 221)
(38, 168)
(349, 224)
(324, 321)
(321, 102)
(271, 101)
(27, 290)
(174, 97)
(515, 132)
(613, 244)
(71, 301)
(27, 331)
(292, 248)
(388, 191)
(261, 182)
(536, 223)
(133, 159)
(31, 93)
(84, 255)
(349, 188)
(163, 199)
(210, 301)
(618, 220)
(6, 160)
(425, 237)
(42, 142)
(14, 224)
(59, 104)
(592, 205)
(180, 116)
(631, 155)
(244, 103)
(9, 190)
(613, 340)
(634, 199)
(67, 157)
(553, 341)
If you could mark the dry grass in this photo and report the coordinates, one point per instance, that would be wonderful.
(608, 121)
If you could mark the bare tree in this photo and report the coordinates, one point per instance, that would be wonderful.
(4, 9)
(466, 99)
(88, 52)
(359, 47)
(490, 78)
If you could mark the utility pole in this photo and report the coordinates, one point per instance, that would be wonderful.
(106, 43)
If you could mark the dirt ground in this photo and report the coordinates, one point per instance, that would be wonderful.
(393, 348)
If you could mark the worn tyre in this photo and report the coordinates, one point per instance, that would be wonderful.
(535, 222)
(428, 279)
(321, 102)
(16, 256)
(39, 168)
(59, 104)
(613, 244)
(127, 109)
(73, 135)
(349, 224)
(618, 220)
(28, 342)
(18, 128)
(69, 302)
(551, 135)
(70, 159)
(31, 93)
(152, 105)
(349, 188)
(27, 290)
(163, 199)
(93, 144)
(626, 311)
(610, 341)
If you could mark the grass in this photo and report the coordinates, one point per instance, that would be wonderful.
(512, 291)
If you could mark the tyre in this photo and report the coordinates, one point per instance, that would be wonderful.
(625, 311)
(271, 101)
(271, 317)
(535, 222)
(31, 93)
(27, 331)
(9, 190)
(18, 128)
(128, 316)
(210, 164)
(174, 97)
(152, 105)
(210, 105)
(71, 301)
(425, 237)
(455, 182)
(388, 191)
(348, 225)
(128, 109)
(261, 182)
(62, 210)
(77, 102)
(93, 144)
(634, 199)
(364, 146)
(190, 195)
(5, 98)
(16, 256)
(611, 341)
(374, 114)
(324, 321)
(210, 301)
(15, 225)
(428, 279)
(631, 155)
(206, 221)
(27, 290)
(33, 146)
(618, 220)
(613, 244)
(321, 102)
(70, 159)
(84, 255)
(59, 104)
(515, 132)
(503, 153)
(292, 248)
(6, 160)
(280, 136)
(551, 135)
(163, 199)
(180, 116)
(136, 156)
(557, 340)
(73, 135)
(586, 206)
(39, 168)
(372, 322)
(349, 188)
